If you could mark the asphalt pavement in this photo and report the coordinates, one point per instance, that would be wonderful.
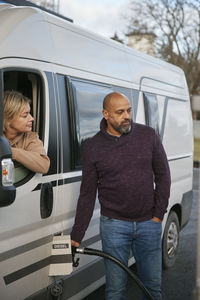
(178, 281)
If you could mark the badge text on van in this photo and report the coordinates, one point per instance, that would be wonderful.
(60, 246)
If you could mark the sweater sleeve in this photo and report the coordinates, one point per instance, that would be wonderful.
(33, 156)
(161, 178)
(87, 197)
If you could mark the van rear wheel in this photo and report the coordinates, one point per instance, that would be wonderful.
(170, 242)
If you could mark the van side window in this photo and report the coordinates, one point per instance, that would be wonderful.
(88, 98)
(151, 111)
(64, 137)
(177, 129)
(30, 85)
(132, 95)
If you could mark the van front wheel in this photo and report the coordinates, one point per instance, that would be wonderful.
(170, 241)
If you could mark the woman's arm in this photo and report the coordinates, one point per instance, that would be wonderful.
(32, 155)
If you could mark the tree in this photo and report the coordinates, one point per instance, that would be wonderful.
(176, 24)
(49, 4)
(116, 38)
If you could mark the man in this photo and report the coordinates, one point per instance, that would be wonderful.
(126, 162)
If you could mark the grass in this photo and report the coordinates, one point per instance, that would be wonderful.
(196, 150)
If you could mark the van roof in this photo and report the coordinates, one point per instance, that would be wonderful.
(28, 32)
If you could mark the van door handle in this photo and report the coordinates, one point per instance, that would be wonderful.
(46, 200)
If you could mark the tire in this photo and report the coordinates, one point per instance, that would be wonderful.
(170, 241)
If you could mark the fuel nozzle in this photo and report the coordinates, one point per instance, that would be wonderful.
(75, 262)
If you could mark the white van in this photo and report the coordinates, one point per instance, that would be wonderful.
(67, 71)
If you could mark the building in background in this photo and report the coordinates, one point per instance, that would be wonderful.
(143, 42)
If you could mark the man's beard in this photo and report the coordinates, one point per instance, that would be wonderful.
(123, 129)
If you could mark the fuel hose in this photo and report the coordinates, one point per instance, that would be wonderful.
(95, 252)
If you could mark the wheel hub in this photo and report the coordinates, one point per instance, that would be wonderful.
(172, 239)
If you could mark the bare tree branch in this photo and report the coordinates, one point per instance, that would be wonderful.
(176, 25)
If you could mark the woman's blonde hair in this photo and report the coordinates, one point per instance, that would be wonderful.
(14, 103)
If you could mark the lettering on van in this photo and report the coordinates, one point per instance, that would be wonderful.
(60, 246)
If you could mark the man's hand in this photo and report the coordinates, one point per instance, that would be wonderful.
(157, 220)
(75, 244)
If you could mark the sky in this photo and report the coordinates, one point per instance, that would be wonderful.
(101, 16)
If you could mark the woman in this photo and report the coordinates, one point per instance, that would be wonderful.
(27, 148)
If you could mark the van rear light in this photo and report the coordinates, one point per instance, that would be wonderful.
(7, 167)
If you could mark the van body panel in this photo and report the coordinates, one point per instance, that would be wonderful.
(186, 207)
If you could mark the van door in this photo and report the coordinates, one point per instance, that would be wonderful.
(26, 225)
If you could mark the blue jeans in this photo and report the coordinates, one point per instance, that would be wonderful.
(144, 239)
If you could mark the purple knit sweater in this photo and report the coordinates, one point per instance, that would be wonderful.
(123, 170)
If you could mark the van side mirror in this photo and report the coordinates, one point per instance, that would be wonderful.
(7, 189)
